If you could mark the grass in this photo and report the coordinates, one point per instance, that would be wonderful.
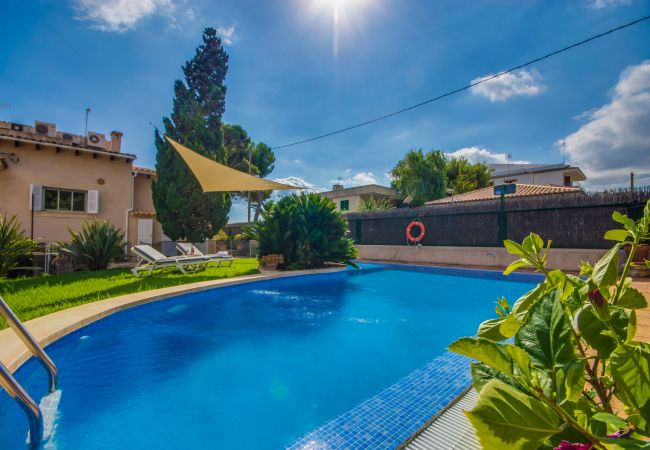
(34, 297)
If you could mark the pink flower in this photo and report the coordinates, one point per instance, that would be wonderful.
(566, 445)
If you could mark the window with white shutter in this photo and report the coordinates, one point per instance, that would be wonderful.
(35, 197)
(145, 231)
(93, 202)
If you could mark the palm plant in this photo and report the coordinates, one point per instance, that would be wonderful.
(13, 244)
(306, 229)
(96, 244)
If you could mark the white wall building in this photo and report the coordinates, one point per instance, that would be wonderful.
(537, 174)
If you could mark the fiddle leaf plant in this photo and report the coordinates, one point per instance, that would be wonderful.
(561, 367)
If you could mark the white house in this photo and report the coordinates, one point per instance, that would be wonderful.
(536, 174)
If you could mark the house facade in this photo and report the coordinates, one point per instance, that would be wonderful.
(537, 174)
(54, 181)
(350, 199)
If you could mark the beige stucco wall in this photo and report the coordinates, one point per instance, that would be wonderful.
(143, 201)
(63, 170)
(559, 258)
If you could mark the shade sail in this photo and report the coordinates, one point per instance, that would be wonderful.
(215, 177)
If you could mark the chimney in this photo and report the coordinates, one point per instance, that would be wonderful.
(116, 141)
(337, 187)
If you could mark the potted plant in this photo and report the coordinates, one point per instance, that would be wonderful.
(271, 262)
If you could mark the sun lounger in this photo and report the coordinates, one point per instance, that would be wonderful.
(150, 259)
(189, 249)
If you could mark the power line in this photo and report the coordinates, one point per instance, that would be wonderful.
(464, 88)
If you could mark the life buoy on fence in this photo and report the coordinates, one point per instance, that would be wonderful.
(419, 237)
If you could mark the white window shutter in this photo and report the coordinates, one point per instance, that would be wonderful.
(93, 202)
(145, 231)
(35, 197)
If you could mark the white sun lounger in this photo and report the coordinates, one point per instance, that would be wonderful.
(189, 249)
(150, 259)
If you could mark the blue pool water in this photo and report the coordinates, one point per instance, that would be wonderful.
(253, 366)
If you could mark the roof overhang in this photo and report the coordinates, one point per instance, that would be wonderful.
(114, 155)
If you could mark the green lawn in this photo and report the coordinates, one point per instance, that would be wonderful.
(34, 297)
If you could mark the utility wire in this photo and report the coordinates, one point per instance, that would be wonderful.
(464, 88)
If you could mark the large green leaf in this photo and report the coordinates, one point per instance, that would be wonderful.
(570, 381)
(596, 333)
(616, 235)
(506, 418)
(490, 329)
(547, 334)
(632, 298)
(630, 368)
(506, 358)
(526, 301)
(518, 264)
(605, 270)
(482, 374)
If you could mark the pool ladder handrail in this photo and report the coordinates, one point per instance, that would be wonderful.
(11, 385)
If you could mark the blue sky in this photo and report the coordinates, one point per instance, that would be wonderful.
(294, 74)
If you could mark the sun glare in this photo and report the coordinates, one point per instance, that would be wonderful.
(345, 16)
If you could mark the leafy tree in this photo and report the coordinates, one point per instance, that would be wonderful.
(463, 176)
(240, 147)
(182, 208)
(306, 229)
(374, 203)
(96, 244)
(13, 244)
(572, 376)
(421, 175)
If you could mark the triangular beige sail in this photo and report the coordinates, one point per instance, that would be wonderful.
(215, 177)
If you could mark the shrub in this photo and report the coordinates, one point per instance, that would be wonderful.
(306, 229)
(573, 376)
(96, 244)
(14, 246)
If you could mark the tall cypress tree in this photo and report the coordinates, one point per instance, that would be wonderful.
(182, 208)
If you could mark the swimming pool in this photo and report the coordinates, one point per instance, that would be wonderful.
(257, 365)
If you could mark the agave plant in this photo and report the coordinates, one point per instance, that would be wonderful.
(306, 229)
(96, 244)
(13, 244)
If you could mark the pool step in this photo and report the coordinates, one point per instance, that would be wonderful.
(49, 406)
(450, 430)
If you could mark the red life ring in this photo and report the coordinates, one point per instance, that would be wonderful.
(419, 237)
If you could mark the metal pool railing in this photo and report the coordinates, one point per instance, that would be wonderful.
(11, 385)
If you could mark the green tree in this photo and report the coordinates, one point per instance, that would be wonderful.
(420, 175)
(463, 176)
(239, 147)
(306, 229)
(182, 208)
(375, 203)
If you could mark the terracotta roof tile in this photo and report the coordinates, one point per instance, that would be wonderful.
(523, 190)
(145, 170)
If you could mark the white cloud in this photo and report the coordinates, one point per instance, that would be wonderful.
(227, 34)
(480, 154)
(616, 139)
(122, 15)
(513, 84)
(601, 4)
(358, 179)
(303, 185)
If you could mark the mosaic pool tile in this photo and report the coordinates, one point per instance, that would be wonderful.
(392, 416)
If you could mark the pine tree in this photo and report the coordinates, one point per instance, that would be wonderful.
(182, 208)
